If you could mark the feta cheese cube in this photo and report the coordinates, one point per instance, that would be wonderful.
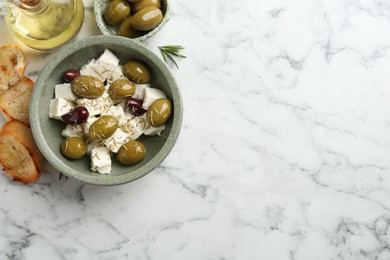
(65, 91)
(93, 144)
(128, 117)
(107, 86)
(151, 130)
(58, 107)
(104, 102)
(88, 124)
(151, 95)
(140, 90)
(115, 141)
(123, 105)
(134, 128)
(101, 160)
(117, 112)
(141, 121)
(148, 128)
(116, 74)
(73, 131)
(87, 70)
(91, 105)
(106, 64)
(96, 106)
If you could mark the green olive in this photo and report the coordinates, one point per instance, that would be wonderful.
(159, 112)
(126, 30)
(116, 11)
(145, 3)
(134, 1)
(131, 153)
(103, 127)
(73, 147)
(136, 72)
(120, 89)
(147, 18)
(87, 86)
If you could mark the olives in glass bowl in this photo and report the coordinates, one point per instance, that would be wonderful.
(138, 19)
(47, 132)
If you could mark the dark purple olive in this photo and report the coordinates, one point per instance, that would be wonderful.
(70, 75)
(134, 106)
(77, 116)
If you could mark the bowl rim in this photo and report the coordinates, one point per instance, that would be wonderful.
(103, 26)
(100, 179)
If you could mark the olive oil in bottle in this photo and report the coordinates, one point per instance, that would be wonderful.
(45, 24)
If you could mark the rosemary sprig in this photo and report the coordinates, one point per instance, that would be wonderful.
(168, 51)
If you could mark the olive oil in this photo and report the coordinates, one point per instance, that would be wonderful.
(46, 24)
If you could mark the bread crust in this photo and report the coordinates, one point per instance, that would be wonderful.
(15, 102)
(19, 154)
(12, 65)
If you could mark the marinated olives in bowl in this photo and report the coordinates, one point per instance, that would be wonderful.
(109, 116)
(145, 3)
(146, 17)
(87, 86)
(121, 89)
(103, 127)
(131, 153)
(77, 116)
(134, 106)
(137, 72)
(70, 75)
(159, 112)
(116, 11)
(103, 141)
(73, 148)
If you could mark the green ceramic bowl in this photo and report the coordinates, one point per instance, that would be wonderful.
(47, 132)
(100, 5)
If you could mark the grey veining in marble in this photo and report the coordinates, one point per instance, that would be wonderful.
(284, 152)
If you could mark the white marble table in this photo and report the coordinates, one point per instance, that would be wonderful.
(284, 151)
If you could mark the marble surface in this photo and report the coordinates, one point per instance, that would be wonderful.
(284, 151)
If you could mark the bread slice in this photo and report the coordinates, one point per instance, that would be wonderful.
(19, 154)
(12, 65)
(15, 102)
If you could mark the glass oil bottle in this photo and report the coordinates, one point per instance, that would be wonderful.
(43, 24)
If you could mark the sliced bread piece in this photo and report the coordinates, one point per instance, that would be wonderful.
(15, 102)
(19, 154)
(12, 65)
